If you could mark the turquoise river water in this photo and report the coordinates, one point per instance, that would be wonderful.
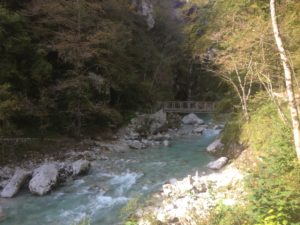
(103, 193)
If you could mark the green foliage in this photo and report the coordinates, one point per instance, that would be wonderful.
(273, 186)
(240, 35)
(131, 223)
(74, 67)
(275, 194)
(227, 215)
(225, 105)
(232, 130)
(23, 74)
(275, 218)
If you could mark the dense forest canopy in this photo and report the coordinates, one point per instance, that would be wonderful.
(72, 67)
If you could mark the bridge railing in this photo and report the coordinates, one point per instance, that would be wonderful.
(188, 106)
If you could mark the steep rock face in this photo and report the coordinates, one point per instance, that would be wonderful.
(145, 8)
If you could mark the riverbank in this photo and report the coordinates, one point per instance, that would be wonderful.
(191, 201)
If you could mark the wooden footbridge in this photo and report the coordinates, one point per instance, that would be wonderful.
(188, 107)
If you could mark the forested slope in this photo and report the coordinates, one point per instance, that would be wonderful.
(235, 41)
(72, 67)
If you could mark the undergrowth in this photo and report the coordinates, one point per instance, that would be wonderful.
(273, 184)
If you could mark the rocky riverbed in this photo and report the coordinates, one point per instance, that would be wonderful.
(145, 131)
(190, 200)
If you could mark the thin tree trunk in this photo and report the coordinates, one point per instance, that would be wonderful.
(288, 79)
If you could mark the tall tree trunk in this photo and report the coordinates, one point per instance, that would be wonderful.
(288, 79)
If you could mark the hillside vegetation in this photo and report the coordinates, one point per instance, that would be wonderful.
(76, 67)
(236, 41)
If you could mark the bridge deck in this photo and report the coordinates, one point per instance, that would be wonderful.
(189, 107)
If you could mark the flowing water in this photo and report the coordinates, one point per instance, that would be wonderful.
(102, 194)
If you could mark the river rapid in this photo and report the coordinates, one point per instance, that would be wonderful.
(110, 185)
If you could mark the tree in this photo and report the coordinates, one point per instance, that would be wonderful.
(24, 75)
(288, 79)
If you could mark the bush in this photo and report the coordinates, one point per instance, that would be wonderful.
(227, 215)
(224, 106)
(232, 130)
(274, 185)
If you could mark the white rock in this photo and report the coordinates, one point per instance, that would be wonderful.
(15, 183)
(168, 189)
(167, 137)
(6, 173)
(200, 186)
(44, 179)
(173, 181)
(158, 137)
(136, 145)
(199, 130)
(81, 167)
(218, 127)
(215, 146)
(2, 214)
(133, 136)
(218, 164)
(185, 185)
(3, 183)
(166, 143)
(192, 119)
(228, 176)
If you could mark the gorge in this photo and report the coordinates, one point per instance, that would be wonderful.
(84, 139)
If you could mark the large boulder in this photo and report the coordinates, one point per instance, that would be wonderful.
(218, 164)
(6, 173)
(158, 121)
(215, 147)
(81, 167)
(44, 179)
(3, 183)
(199, 130)
(15, 183)
(65, 171)
(2, 214)
(191, 119)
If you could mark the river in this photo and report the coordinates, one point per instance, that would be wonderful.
(111, 184)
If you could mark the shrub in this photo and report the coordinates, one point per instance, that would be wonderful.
(274, 186)
(227, 215)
